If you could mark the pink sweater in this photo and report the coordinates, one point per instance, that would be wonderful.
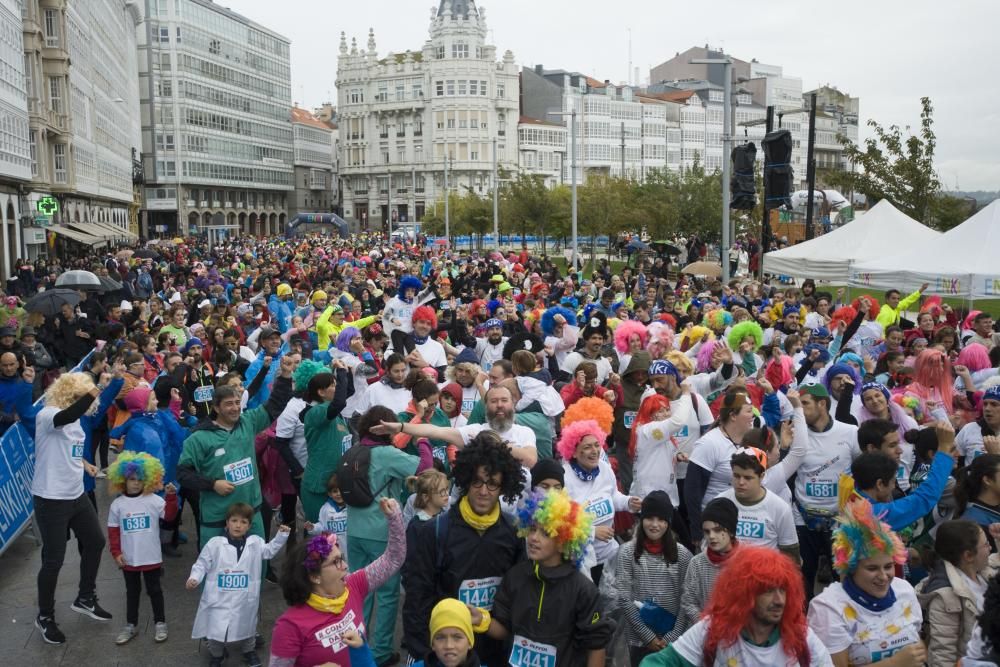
(304, 636)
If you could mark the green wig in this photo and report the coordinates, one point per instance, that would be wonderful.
(305, 372)
(741, 331)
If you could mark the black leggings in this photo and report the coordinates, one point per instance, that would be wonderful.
(54, 519)
(133, 588)
(191, 497)
(289, 503)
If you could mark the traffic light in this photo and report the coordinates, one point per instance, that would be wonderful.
(778, 174)
(743, 195)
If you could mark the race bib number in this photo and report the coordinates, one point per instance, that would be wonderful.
(204, 394)
(527, 653)
(682, 432)
(346, 443)
(77, 451)
(467, 405)
(901, 472)
(479, 592)
(135, 523)
(337, 526)
(239, 472)
(600, 508)
(976, 454)
(233, 581)
(629, 418)
(750, 529)
(331, 636)
(487, 365)
(821, 489)
(440, 453)
(883, 655)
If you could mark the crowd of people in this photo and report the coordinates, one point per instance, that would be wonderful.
(532, 467)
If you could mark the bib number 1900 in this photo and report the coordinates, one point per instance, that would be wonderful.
(234, 581)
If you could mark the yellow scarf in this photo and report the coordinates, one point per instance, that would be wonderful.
(480, 523)
(328, 605)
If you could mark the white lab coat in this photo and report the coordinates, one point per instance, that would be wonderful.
(228, 612)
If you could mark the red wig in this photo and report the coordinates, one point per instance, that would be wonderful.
(750, 572)
(873, 305)
(425, 314)
(844, 314)
(649, 407)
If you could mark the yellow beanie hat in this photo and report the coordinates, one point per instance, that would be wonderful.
(450, 613)
(284, 289)
(318, 295)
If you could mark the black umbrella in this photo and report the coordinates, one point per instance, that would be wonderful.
(665, 248)
(636, 244)
(50, 302)
(146, 253)
(109, 284)
(78, 279)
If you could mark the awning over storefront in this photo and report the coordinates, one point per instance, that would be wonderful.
(102, 229)
(78, 236)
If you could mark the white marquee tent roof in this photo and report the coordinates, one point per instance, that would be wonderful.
(964, 261)
(882, 231)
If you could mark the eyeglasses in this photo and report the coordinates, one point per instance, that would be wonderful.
(491, 485)
(337, 562)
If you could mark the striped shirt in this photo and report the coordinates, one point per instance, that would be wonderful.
(651, 579)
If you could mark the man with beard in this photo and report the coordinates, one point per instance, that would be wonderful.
(788, 325)
(754, 617)
(594, 335)
(489, 350)
(499, 417)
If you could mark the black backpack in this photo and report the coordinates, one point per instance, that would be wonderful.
(353, 477)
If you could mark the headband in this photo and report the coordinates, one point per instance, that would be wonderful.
(664, 367)
(493, 323)
(875, 385)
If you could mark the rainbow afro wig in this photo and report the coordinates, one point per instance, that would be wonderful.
(741, 331)
(139, 465)
(625, 330)
(574, 433)
(305, 372)
(717, 320)
(592, 409)
(861, 535)
(911, 403)
(562, 519)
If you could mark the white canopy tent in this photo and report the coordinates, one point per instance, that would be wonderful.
(881, 231)
(962, 262)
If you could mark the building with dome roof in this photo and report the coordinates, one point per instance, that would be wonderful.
(405, 116)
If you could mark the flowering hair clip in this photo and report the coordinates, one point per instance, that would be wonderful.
(318, 550)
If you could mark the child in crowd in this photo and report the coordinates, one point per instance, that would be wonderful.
(451, 636)
(545, 603)
(332, 515)
(231, 566)
(134, 535)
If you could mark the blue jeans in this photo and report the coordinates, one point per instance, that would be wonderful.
(384, 600)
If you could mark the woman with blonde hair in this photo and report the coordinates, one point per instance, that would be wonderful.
(60, 502)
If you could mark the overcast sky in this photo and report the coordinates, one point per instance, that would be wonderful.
(887, 52)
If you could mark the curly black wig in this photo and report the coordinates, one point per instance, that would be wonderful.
(989, 620)
(489, 451)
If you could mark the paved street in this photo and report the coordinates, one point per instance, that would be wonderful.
(92, 643)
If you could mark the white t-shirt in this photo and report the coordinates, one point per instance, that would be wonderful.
(574, 359)
(828, 456)
(518, 436)
(379, 393)
(867, 636)
(969, 442)
(333, 520)
(691, 646)
(58, 458)
(713, 452)
(655, 449)
(433, 353)
(769, 523)
(599, 497)
(290, 426)
(689, 432)
(488, 353)
(138, 521)
(470, 396)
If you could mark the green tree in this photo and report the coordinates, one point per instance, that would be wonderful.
(657, 203)
(699, 202)
(605, 206)
(530, 206)
(476, 215)
(948, 211)
(896, 165)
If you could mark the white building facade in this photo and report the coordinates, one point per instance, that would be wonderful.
(217, 136)
(15, 154)
(541, 147)
(403, 116)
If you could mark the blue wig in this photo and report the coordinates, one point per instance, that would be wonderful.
(842, 369)
(409, 282)
(851, 357)
(549, 322)
(492, 306)
(824, 353)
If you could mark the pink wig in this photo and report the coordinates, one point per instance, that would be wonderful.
(625, 330)
(975, 357)
(970, 318)
(661, 339)
(574, 433)
(933, 371)
(705, 353)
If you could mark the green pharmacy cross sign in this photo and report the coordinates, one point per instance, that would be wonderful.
(48, 205)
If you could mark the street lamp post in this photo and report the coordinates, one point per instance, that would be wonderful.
(727, 138)
(496, 189)
(447, 219)
(572, 161)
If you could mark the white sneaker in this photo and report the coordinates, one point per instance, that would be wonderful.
(102, 473)
(126, 635)
(161, 632)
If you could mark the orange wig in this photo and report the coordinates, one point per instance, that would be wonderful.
(590, 408)
(750, 572)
